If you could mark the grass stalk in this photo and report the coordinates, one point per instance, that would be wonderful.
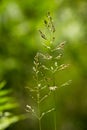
(45, 67)
(55, 117)
(39, 124)
(39, 118)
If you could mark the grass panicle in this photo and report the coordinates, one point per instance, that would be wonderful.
(46, 65)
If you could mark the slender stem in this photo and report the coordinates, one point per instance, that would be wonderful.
(39, 119)
(55, 118)
(39, 124)
(38, 101)
(54, 98)
(38, 91)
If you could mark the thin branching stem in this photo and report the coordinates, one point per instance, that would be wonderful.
(38, 97)
(45, 67)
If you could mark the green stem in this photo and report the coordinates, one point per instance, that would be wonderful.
(55, 118)
(39, 119)
(54, 98)
(39, 124)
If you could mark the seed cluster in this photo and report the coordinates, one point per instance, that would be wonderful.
(46, 65)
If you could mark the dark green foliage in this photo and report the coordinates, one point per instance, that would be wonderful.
(7, 104)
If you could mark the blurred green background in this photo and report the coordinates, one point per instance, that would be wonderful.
(19, 42)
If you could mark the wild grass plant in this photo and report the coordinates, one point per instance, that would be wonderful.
(46, 66)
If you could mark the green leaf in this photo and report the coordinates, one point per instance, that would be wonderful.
(2, 84)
